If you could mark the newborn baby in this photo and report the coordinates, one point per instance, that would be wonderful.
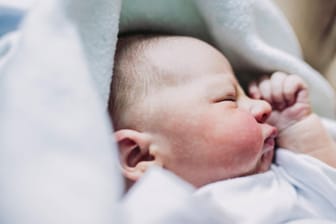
(177, 104)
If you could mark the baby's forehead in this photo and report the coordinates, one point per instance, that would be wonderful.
(186, 57)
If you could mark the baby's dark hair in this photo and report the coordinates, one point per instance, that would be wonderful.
(136, 77)
(131, 78)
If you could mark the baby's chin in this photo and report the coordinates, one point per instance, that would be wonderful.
(263, 164)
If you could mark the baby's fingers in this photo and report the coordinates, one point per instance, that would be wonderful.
(266, 90)
(254, 91)
(292, 86)
(277, 93)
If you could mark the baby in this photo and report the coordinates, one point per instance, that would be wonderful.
(175, 103)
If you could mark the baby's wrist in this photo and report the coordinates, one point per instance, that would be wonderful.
(303, 136)
(309, 137)
(297, 125)
(291, 136)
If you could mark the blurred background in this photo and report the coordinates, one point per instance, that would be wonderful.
(314, 22)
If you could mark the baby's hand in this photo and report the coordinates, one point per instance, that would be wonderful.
(288, 96)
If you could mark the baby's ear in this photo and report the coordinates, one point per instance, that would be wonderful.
(135, 156)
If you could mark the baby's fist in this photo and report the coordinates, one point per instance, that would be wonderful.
(288, 96)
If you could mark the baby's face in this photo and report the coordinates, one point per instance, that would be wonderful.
(206, 129)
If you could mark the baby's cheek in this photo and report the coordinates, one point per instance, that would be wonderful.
(248, 136)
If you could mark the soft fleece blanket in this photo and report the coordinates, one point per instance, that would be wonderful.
(57, 155)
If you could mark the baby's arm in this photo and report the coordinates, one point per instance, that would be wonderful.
(300, 130)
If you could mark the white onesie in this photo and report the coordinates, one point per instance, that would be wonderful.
(297, 187)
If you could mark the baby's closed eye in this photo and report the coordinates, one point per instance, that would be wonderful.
(231, 97)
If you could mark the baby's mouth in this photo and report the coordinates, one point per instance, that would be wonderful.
(269, 142)
(267, 153)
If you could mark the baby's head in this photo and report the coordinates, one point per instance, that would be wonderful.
(176, 103)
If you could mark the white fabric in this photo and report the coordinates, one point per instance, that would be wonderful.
(57, 158)
(161, 197)
(297, 188)
(21, 4)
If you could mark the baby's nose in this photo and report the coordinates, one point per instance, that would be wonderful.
(261, 110)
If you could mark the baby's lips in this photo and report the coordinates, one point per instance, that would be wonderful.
(269, 141)
(274, 132)
(271, 131)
